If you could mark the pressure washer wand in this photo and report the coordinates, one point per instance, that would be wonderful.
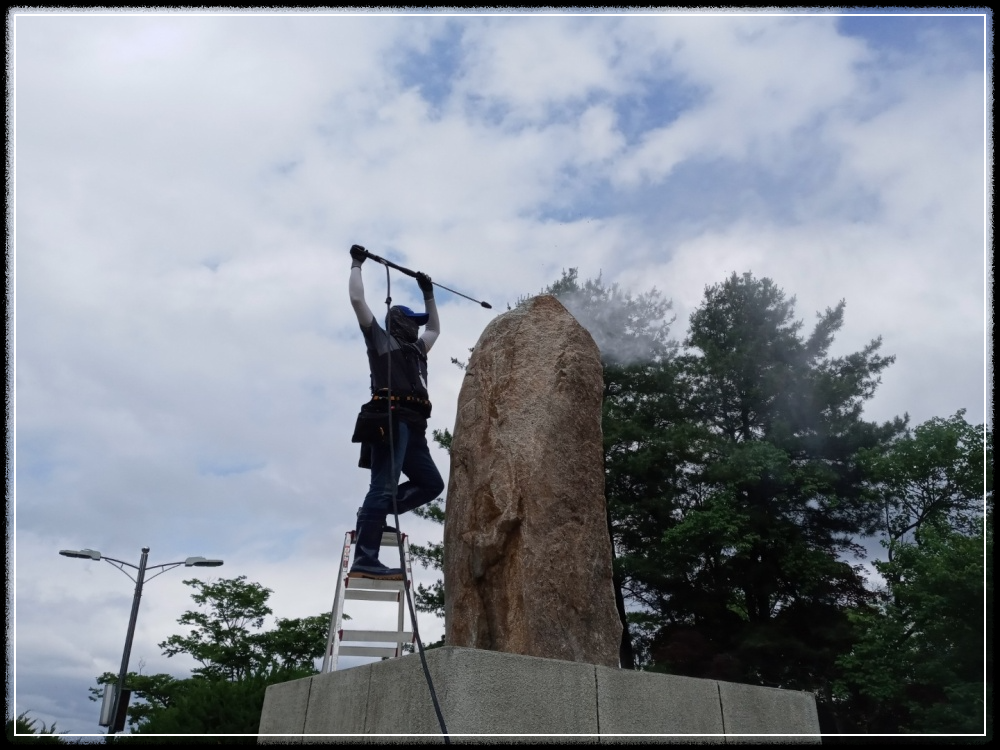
(408, 272)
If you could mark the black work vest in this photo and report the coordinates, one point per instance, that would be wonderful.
(409, 363)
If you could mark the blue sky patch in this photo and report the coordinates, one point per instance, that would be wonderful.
(714, 193)
(910, 36)
(432, 71)
(660, 102)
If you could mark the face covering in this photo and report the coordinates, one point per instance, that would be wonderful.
(401, 325)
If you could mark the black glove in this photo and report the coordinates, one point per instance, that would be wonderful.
(425, 284)
(359, 254)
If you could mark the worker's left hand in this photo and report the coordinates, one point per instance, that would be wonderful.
(358, 254)
(425, 284)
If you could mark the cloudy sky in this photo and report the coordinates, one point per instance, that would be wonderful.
(187, 366)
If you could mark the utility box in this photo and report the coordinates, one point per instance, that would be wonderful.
(116, 723)
(107, 705)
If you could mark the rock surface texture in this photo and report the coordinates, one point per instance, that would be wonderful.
(527, 556)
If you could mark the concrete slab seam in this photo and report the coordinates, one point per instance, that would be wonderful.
(597, 701)
(368, 702)
(305, 714)
(722, 710)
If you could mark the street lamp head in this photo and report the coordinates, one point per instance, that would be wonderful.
(201, 562)
(87, 554)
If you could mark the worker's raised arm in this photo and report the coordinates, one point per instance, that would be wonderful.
(433, 327)
(357, 288)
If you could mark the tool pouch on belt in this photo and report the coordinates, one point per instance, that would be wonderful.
(373, 424)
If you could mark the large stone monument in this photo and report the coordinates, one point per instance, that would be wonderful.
(527, 554)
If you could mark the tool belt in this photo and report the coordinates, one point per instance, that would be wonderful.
(414, 403)
(375, 421)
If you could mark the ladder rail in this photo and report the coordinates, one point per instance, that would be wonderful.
(337, 611)
(402, 599)
(399, 619)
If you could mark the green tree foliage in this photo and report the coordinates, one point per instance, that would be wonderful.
(295, 644)
(431, 555)
(931, 474)
(22, 724)
(238, 659)
(211, 706)
(743, 565)
(221, 639)
(918, 666)
(151, 694)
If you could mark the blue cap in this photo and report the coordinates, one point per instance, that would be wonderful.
(419, 318)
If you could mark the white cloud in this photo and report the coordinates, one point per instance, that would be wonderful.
(525, 69)
(599, 137)
(762, 78)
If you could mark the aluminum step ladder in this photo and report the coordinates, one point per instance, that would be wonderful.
(370, 589)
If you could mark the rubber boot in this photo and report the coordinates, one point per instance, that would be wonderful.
(369, 541)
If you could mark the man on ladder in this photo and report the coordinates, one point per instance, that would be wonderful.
(398, 364)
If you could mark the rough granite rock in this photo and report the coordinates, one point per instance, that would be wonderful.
(527, 557)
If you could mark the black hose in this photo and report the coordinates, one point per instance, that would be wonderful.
(394, 480)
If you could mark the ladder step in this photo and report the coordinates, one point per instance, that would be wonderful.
(389, 636)
(367, 651)
(372, 584)
(389, 539)
(372, 596)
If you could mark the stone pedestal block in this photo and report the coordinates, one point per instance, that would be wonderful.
(491, 697)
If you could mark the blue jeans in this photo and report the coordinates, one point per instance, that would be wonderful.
(413, 458)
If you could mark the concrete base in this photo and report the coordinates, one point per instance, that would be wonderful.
(491, 693)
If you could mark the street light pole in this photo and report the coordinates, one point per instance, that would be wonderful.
(120, 689)
(140, 579)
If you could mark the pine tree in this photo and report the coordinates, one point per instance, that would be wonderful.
(745, 576)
